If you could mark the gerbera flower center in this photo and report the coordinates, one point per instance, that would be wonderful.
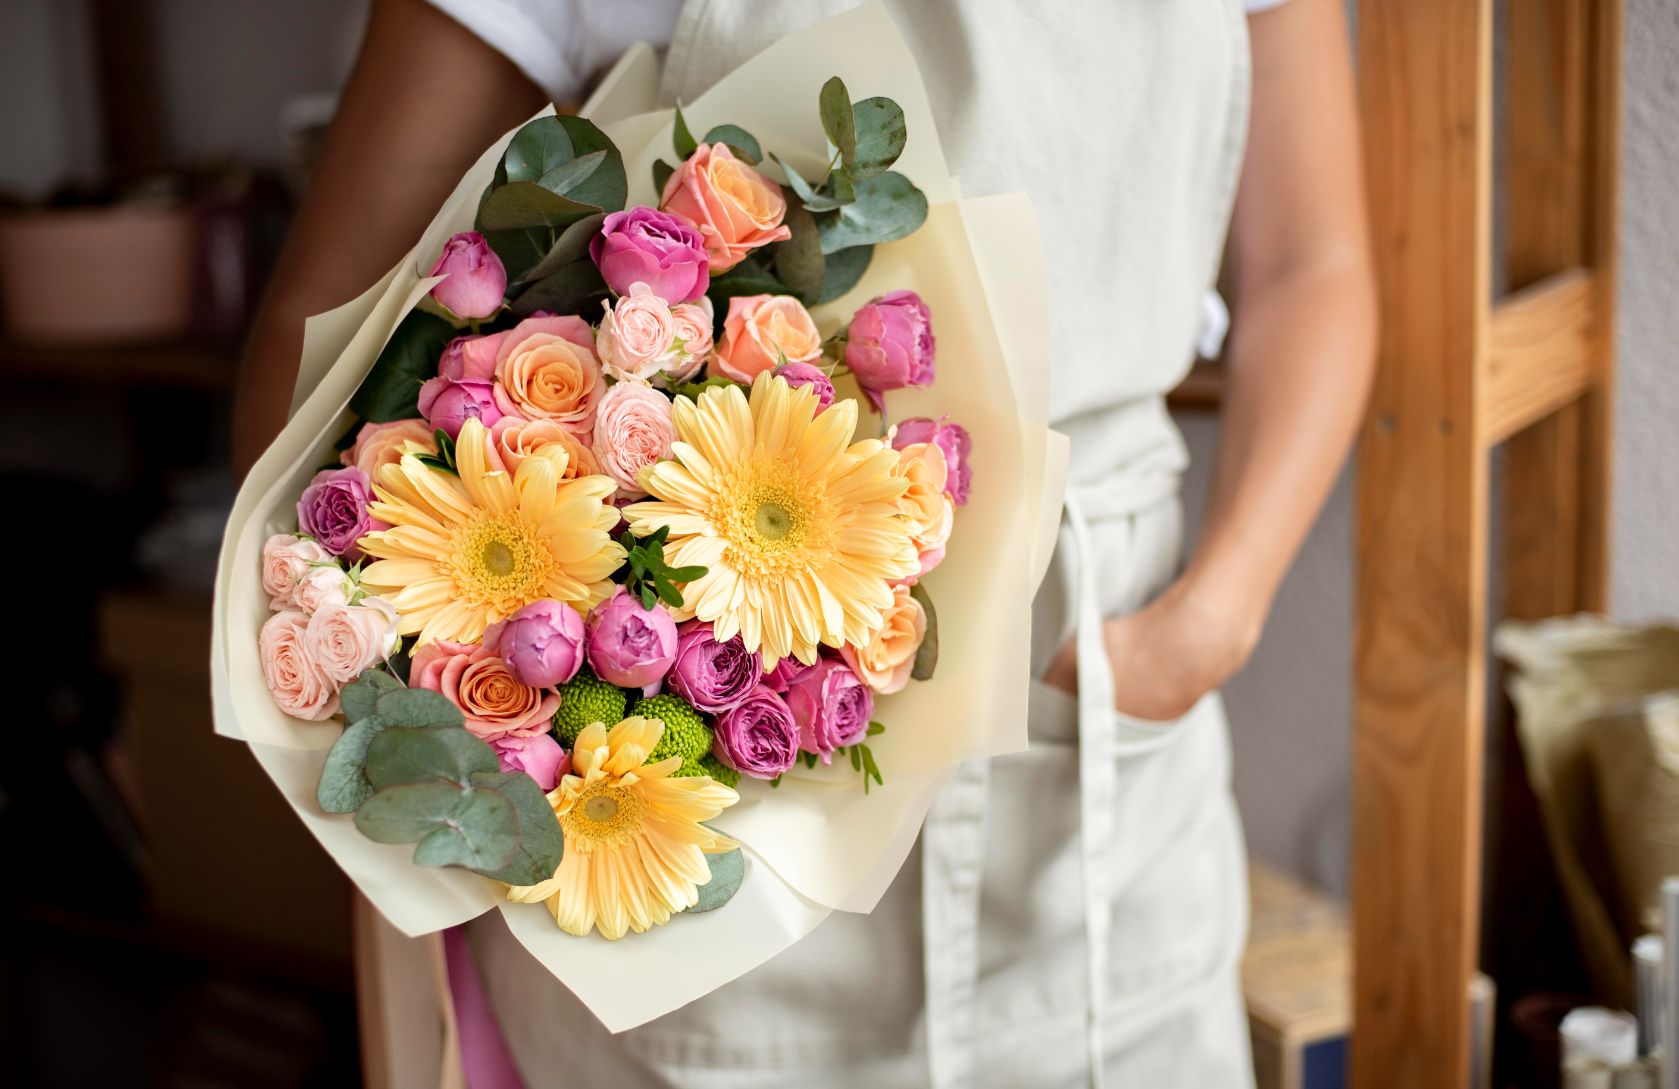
(499, 561)
(776, 524)
(772, 521)
(603, 815)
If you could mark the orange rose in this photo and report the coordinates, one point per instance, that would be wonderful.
(381, 444)
(735, 208)
(546, 370)
(512, 440)
(884, 663)
(763, 331)
(925, 501)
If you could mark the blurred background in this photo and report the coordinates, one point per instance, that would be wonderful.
(164, 899)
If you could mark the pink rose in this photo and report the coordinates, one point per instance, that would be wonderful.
(953, 439)
(926, 502)
(542, 643)
(762, 332)
(322, 585)
(693, 339)
(889, 345)
(832, 707)
(470, 357)
(637, 335)
(474, 279)
(538, 756)
(629, 645)
(474, 678)
(735, 208)
(300, 687)
(333, 510)
(447, 404)
(380, 444)
(811, 377)
(885, 661)
(343, 639)
(786, 671)
(646, 246)
(513, 439)
(546, 369)
(286, 558)
(632, 428)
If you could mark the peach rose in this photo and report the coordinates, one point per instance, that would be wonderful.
(546, 370)
(763, 331)
(300, 687)
(637, 335)
(512, 440)
(693, 338)
(633, 428)
(381, 444)
(925, 501)
(735, 208)
(286, 558)
(884, 663)
(343, 639)
(475, 679)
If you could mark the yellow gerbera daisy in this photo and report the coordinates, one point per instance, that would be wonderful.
(797, 526)
(634, 845)
(468, 549)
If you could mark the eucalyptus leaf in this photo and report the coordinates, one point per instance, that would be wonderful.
(541, 843)
(404, 754)
(537, 148)
(841, 271)
(661, 174)
(881, 135)
(521, 205)
(391, 390)
(746, 278)
(344, 786)
(481, 833)
(564, 291)
(809, 197)
(742, 143)
(572, 174)
(408, 813)
(798, 261)
(607, 187)
(417, 707)
(887, 208)
(838, 121)
(359, 696)
(927, 657)
(840, 184)
(572, 245)
(727, 872)
(681, 138)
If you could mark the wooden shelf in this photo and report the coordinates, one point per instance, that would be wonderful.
(181, 365)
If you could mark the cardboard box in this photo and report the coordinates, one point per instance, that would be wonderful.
(1297, 979)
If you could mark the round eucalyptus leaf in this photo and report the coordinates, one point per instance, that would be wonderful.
(541, 843)
(536, 149)
(416, 707)
(344, 786)
(482, 833)
(838, 121)
(742, 143)
(927, 657)
(727, 871)
(842, 269)
(408, 813)
(881, 135)
(404, 755)
(888, 207)
(359, 696)
(391, 390)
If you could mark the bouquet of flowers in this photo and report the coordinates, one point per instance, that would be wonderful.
(626, 556)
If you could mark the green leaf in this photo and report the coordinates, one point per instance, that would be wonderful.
(417, 707)
(926, 658)
(661, 175)
(481, 834)
(841, 186)
(407, 755)
(870, 769)
(692, 391)
(680, 136)
(746, 278)
(834, 104)
(567, 290)
(359, 696)
(522, 205)
(798, 261)
(809, 197)
(541, 844)
(727, 872)
(841, 271)
(536, 149)
(606, 187)
(344, 786)
(569, 175)
(572, 245)
(391, 390)
(742, 143)
(887, 208)
(880, 137)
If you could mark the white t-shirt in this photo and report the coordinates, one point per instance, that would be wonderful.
(560, 44)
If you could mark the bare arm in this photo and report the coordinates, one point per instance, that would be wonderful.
(426, 97)
(1298, 367)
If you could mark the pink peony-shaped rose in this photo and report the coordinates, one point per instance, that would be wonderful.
(646, 246)
(693, 339)
(735, 208)
(811, 377)
(473, 677)
(885, 661)
(633, 428)
(286, 559)
(380, 444)
(630, 645)
(637, 335)
(761, 332)
(474, 277)
(542, 643)
(538, 756)
(447, 404)
(785, 673)
(546, 369)
(951, 438)
(889, 345)
(333, 510)
(757, 736)
(470, 357)
(300, 687)
(712, 676)
(346, 639)
(513, 439)
(832, 707)
(926, 502)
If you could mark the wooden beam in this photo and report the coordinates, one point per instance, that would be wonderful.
(1542, 353)
(1425, 98)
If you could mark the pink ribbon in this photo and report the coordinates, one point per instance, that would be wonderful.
(485, 1056)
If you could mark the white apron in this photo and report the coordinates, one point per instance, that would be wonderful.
(1012, 951)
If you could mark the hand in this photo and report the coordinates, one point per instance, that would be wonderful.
(1167, 655)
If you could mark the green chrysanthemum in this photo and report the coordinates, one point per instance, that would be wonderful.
(686, 734)
(585, 699)
(711, 766)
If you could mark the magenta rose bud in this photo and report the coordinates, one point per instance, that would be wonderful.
(832, 707)
(889, 345)
(538, 756)
(629, 645)
(474, 277)
(647, 246)
(710, 675)
(543, 643)
(447, 404)
(803, 375)
(951, 438)
(333, 510)
(757, 736)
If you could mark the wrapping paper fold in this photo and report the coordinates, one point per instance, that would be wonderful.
(816, 844)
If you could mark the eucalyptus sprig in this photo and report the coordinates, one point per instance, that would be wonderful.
(648, 575)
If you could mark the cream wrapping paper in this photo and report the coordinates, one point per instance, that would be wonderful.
(816, 843)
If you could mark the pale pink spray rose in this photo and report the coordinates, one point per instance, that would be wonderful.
(286, 558)
(380, 444)
(951, 438)
(538, 756)
(889, 345)
(735, 208)
(474, 678)
(757, 736)
(693, 339)
(344, 639)
(333, 510)
(811, 377)
(323, 585)
(644, 245)
(474, 277)
(630, 645)
(447, 404)
(832, 707)
(637, 335)
(633, 428)
(299, 685)
(543, 643)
